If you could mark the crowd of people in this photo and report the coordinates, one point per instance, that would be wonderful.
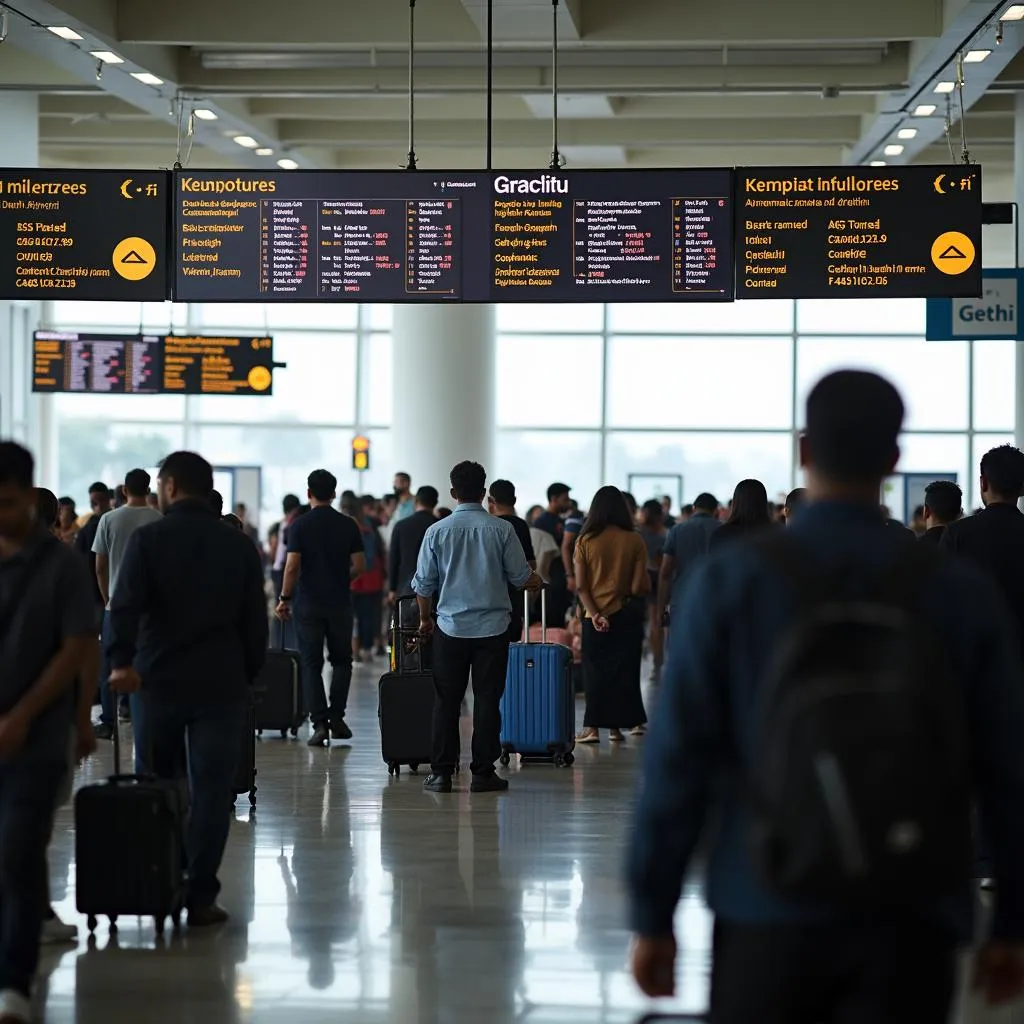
(160, 608)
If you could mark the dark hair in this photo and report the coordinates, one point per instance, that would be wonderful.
(1003, 470)
(367, 499)
(217, 502)
(99, 488)
(705, 503)
(750, 504)
(290, 503)
(469, 481)
(16, 465)
(404, 476)
(240, 505)
(944, 500)
(191, 473)
(136, 483)
(654, 513)
(442, 512)
(608, 508)
(503, 492)
(853, 426)
(796, 498)
(687, 510)
(427, 496)
(66, 502)
(630, 502)
(232, 520)
(557, 490)
(322, 484)
(47, 507)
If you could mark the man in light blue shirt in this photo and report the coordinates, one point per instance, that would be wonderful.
(468, 560)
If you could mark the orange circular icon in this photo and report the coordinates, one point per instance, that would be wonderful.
(259, 378)
(953, 253)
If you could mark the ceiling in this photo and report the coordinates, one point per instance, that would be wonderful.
(644, 83)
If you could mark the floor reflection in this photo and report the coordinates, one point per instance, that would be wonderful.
(359, 897)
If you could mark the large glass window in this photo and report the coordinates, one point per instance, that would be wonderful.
(532, 459)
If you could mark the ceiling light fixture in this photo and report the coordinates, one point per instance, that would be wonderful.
(204, 115)
(246, 141)
(976, 56)
(106, 56)
(894, 149)
(1015, 12)
(63, 32)
(264, 151)
(287, 164)
(146, 78)
(906, 133)
(925, 110)
(877, 163)
(945, 87)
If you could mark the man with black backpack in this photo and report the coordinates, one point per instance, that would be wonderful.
(834, 701)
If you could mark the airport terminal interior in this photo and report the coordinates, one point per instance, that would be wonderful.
(386, 237)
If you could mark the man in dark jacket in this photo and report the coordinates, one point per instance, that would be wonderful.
(189, 626)
(778, 961)
(406, 541)
(943, 504)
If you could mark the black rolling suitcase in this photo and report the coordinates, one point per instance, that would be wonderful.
(245, 773)
(280, 706)
(405, 704)
(143, 818)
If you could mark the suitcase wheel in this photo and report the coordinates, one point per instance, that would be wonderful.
(563, 760)
(91, 922)
(394, 768)
(506, 758)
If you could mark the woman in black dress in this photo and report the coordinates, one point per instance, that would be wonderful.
(612, 584)
(750, 514)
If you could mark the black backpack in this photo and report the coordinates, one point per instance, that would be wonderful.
(860, 783)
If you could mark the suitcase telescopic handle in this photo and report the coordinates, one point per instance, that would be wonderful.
(543, 616)
(117, 745)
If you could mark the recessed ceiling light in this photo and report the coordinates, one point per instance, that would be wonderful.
(1015, 12)
(944, 87)
(976, 56)
(246, 141)
(106, 56)
(146, 78)
(925, 110)
(264, 151)
(906, 133)
(287, 164)
(64, 32)
(894, 149)
(204, 115)
(877, 163)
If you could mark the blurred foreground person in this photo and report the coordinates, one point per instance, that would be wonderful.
(48, 633)
(834, 699)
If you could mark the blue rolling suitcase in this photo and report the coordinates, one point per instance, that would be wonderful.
(538, 709)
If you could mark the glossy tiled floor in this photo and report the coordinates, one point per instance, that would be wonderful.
(360, 898)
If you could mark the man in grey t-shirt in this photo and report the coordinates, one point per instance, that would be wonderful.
(112, 536)
(685, 544)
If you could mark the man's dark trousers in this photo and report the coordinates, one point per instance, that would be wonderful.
(28, 795)
(208, 731)
(454, 659)
(849, 973)
(313, 627)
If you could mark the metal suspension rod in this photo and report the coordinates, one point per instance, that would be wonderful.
(556, 157)
(411, 164)
(490, 85)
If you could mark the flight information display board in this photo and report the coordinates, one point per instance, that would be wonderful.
(83, 235)
(145, 364)
(863, 232)
(398, 236)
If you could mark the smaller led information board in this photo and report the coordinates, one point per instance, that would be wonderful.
(144, 364)
(858, 232)
(83, 235)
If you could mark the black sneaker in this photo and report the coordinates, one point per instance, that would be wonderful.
(103, 731)
(321, 736)
(489, 783)
(438, 783)
(340, 731)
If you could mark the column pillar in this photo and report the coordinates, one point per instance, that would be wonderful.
(19, 129)
(1018, 196)
(443, 369)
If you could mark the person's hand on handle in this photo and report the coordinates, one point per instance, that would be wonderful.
(653, 963)
(534, 583)
(601, 623)
(125, 680)
(426, 627)
(999, 972)
(283, 611)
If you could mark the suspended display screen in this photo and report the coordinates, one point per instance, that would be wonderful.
(855, 232)
(142, 364)
(84, 235)
(602, 236)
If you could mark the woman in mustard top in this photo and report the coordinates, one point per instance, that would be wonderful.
(612, 584)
